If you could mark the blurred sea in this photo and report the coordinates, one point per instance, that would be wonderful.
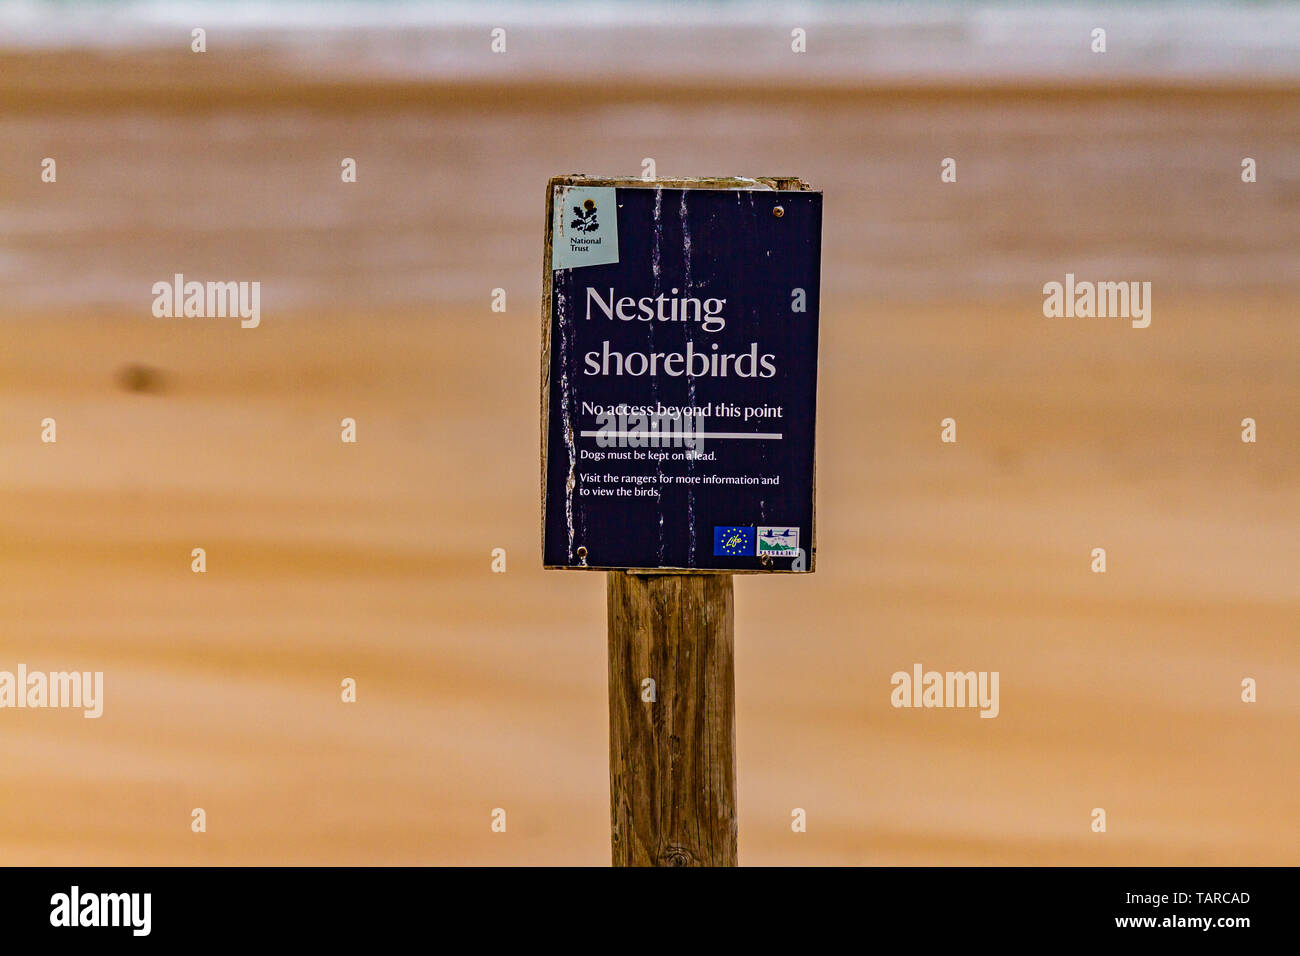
(661, 41)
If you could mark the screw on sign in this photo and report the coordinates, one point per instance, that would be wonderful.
(678, 399)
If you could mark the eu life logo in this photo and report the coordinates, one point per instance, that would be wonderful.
(733, 541)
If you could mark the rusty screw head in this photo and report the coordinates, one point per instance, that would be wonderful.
(778, 211)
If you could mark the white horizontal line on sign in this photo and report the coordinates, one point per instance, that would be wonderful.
(667, 435)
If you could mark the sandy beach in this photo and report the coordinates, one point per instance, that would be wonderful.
(479, 690)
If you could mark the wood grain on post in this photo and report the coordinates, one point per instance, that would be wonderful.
(672, 762)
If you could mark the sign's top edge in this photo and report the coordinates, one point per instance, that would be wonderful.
(764, 183)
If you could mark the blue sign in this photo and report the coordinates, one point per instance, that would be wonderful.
(680, 377)
(733, 542)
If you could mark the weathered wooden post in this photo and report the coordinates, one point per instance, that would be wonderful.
(679, 382)
(672, 763)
